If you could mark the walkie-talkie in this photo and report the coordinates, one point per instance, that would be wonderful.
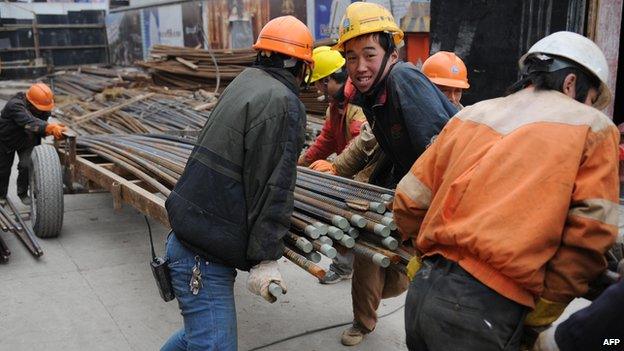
(160, 270)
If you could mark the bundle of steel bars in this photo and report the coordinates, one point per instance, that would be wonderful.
(135, 111)
(189, 68)
(330, 212)
(86, 81)
(11, 221)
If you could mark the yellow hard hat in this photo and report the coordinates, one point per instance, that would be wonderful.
(363, 18)
(326, 62)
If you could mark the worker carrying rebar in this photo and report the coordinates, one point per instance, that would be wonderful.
(232, 205)
(23, 122)
(359, 159)
(514, 205)
(406, 111)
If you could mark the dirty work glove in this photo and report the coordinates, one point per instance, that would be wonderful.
(303, 161)
(55, 129)
(323, 166)
(263, 274)
(546, 341)
(413, 266)
(545, 313)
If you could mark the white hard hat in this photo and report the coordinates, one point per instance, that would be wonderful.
(580, 50)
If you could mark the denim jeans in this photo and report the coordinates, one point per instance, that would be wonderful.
(210, 316)
(446, 308)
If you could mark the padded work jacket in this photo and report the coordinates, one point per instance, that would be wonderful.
(405, 112)
(233, 203)
(19, 127)
(521, 191)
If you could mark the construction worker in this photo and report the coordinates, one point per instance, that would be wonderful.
(596, 327)
(232, 205)
(514, 204)
(406, 111)
(342, 124)
(23, 122)
(342, 120)
(446, 70)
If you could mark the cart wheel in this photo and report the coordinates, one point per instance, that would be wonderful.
(46, 192)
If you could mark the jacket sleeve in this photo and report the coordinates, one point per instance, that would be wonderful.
(592, 220)
(23, 118)
(416, 189)
(325, 143)
(601, 320)
(274, 205)
(355, 119)
(356, 154)
(424, 108)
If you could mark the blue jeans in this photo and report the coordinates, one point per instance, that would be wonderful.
(210, 316)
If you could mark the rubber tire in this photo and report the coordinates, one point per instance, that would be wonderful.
(46, 192)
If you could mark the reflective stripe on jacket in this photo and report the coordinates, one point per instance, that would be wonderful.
(522, 191)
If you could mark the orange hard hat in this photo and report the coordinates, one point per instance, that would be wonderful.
(40, 95)
(287, 35)
(447, 69)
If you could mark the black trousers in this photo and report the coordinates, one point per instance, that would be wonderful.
(448, 309)
(23, 168)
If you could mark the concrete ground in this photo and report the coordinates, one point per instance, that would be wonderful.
(93, 290)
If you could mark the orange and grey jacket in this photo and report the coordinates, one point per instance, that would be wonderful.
(521, 191)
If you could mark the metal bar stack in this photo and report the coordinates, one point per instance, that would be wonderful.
(11, 221)
(330, 213)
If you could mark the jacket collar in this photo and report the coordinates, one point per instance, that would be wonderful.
(282, 75)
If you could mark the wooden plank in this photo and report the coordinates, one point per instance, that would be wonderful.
(105, 111)
(147, 203)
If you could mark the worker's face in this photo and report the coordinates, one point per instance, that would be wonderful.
(321, 86)
(364, 58)
(569, 88)
(453, 94)
(333, 87)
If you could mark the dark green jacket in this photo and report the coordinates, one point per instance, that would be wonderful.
(233, 203)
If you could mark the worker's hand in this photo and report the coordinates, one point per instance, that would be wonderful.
(546, 341)
(303, 161)
(413, 266)
(545, 313)
(263, 274)
(323, 166)
(55, 129)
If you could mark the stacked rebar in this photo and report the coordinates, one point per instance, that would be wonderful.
(330, 213)
(135, 111)
(11, 221)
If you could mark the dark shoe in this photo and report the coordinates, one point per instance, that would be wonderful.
(352, 336)
(332, 277)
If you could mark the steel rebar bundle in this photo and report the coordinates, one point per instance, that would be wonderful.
(328, 212)
(133, 111)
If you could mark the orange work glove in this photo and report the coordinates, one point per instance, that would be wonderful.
(56, 129)
(323, 166)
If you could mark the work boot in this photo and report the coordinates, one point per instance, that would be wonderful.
(352, 336)
(332, 277)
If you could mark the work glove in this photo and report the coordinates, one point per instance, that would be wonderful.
(546, 341)
(413, 266)
(545, 313)
(55, 129)
(323, 166)
(263, 274)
